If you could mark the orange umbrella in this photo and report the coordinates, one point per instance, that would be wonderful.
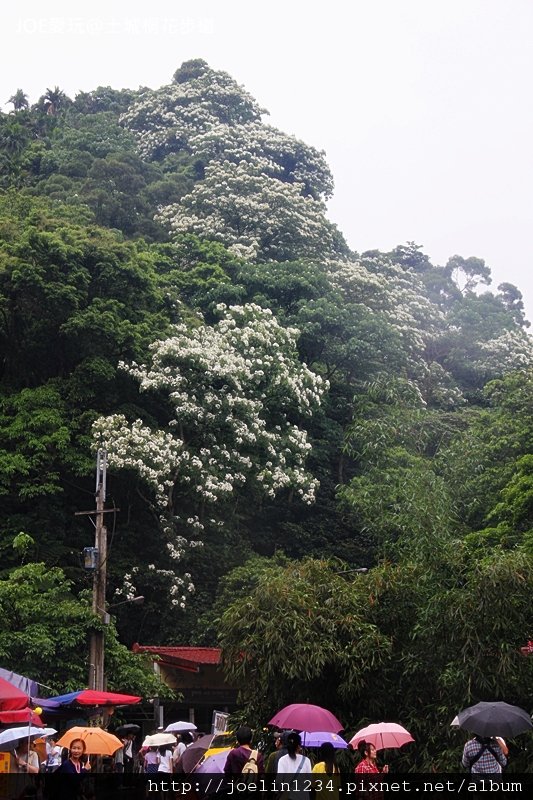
(97, 741)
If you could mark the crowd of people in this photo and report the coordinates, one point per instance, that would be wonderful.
(480, 755)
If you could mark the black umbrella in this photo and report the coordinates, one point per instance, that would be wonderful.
(194, 753)
(494, 719)
(123, 730)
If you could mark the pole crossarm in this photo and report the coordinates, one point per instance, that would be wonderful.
(94, 513)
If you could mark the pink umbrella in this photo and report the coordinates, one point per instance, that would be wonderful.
(306, 717)
(382, 735)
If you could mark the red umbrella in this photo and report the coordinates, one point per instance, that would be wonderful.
(306, 717)
(382, 735)
(11, 698)
(23, 715)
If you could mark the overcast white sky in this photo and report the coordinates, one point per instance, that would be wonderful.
(423, 106)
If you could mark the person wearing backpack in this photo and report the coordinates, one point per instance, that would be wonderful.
(242, 759)
(484, 755)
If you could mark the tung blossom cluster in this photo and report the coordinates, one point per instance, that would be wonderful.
(256, 216)
(262, 191)
(236, 390)
(164, 120)
(396, 295)
(266, 150)
(511, 351)
(179, 586)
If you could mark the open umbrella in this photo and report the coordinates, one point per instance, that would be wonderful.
(10, 736)
(215, 763)
(195, 752)
(382, 735)
(316, 738)
(97, 741)
(180, 727)
(129, 727)
(159, 739)
(306, 717)
(494, 719)
(90, 697)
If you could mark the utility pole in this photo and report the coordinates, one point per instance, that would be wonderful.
(97, 652)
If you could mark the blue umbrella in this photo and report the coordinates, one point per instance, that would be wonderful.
(316, 738)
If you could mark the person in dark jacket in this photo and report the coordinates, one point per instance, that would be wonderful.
(238, 757)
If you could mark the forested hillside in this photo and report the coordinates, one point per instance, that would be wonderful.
(279, 412)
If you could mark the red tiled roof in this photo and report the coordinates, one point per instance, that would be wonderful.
(194, 655)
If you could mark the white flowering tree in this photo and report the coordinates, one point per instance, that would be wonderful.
(260, 192)
(409, 325)
(163, 120)
(256, 216)
(267, 150)
(237, 394)
(208, 115)
(511, 351)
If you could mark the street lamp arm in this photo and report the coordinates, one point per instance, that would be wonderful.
(137, 600)
(106, 616)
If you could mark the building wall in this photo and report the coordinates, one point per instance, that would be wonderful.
(202, 693)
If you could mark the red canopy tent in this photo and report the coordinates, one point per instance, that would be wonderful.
(91, 697)
(19, 716)
(11, 698)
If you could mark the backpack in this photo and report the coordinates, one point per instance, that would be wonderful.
(250, 768)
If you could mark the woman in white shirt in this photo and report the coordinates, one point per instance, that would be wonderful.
(294, 769)
(165, 759)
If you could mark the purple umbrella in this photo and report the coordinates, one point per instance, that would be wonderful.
(316, 738)
(306, 717)
(214, 763)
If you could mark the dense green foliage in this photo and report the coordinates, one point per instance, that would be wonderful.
(44, 631)
(272, 404)
(403, 642)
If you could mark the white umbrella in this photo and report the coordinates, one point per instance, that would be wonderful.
(179, 727)
(11, 736)
(159, 739)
